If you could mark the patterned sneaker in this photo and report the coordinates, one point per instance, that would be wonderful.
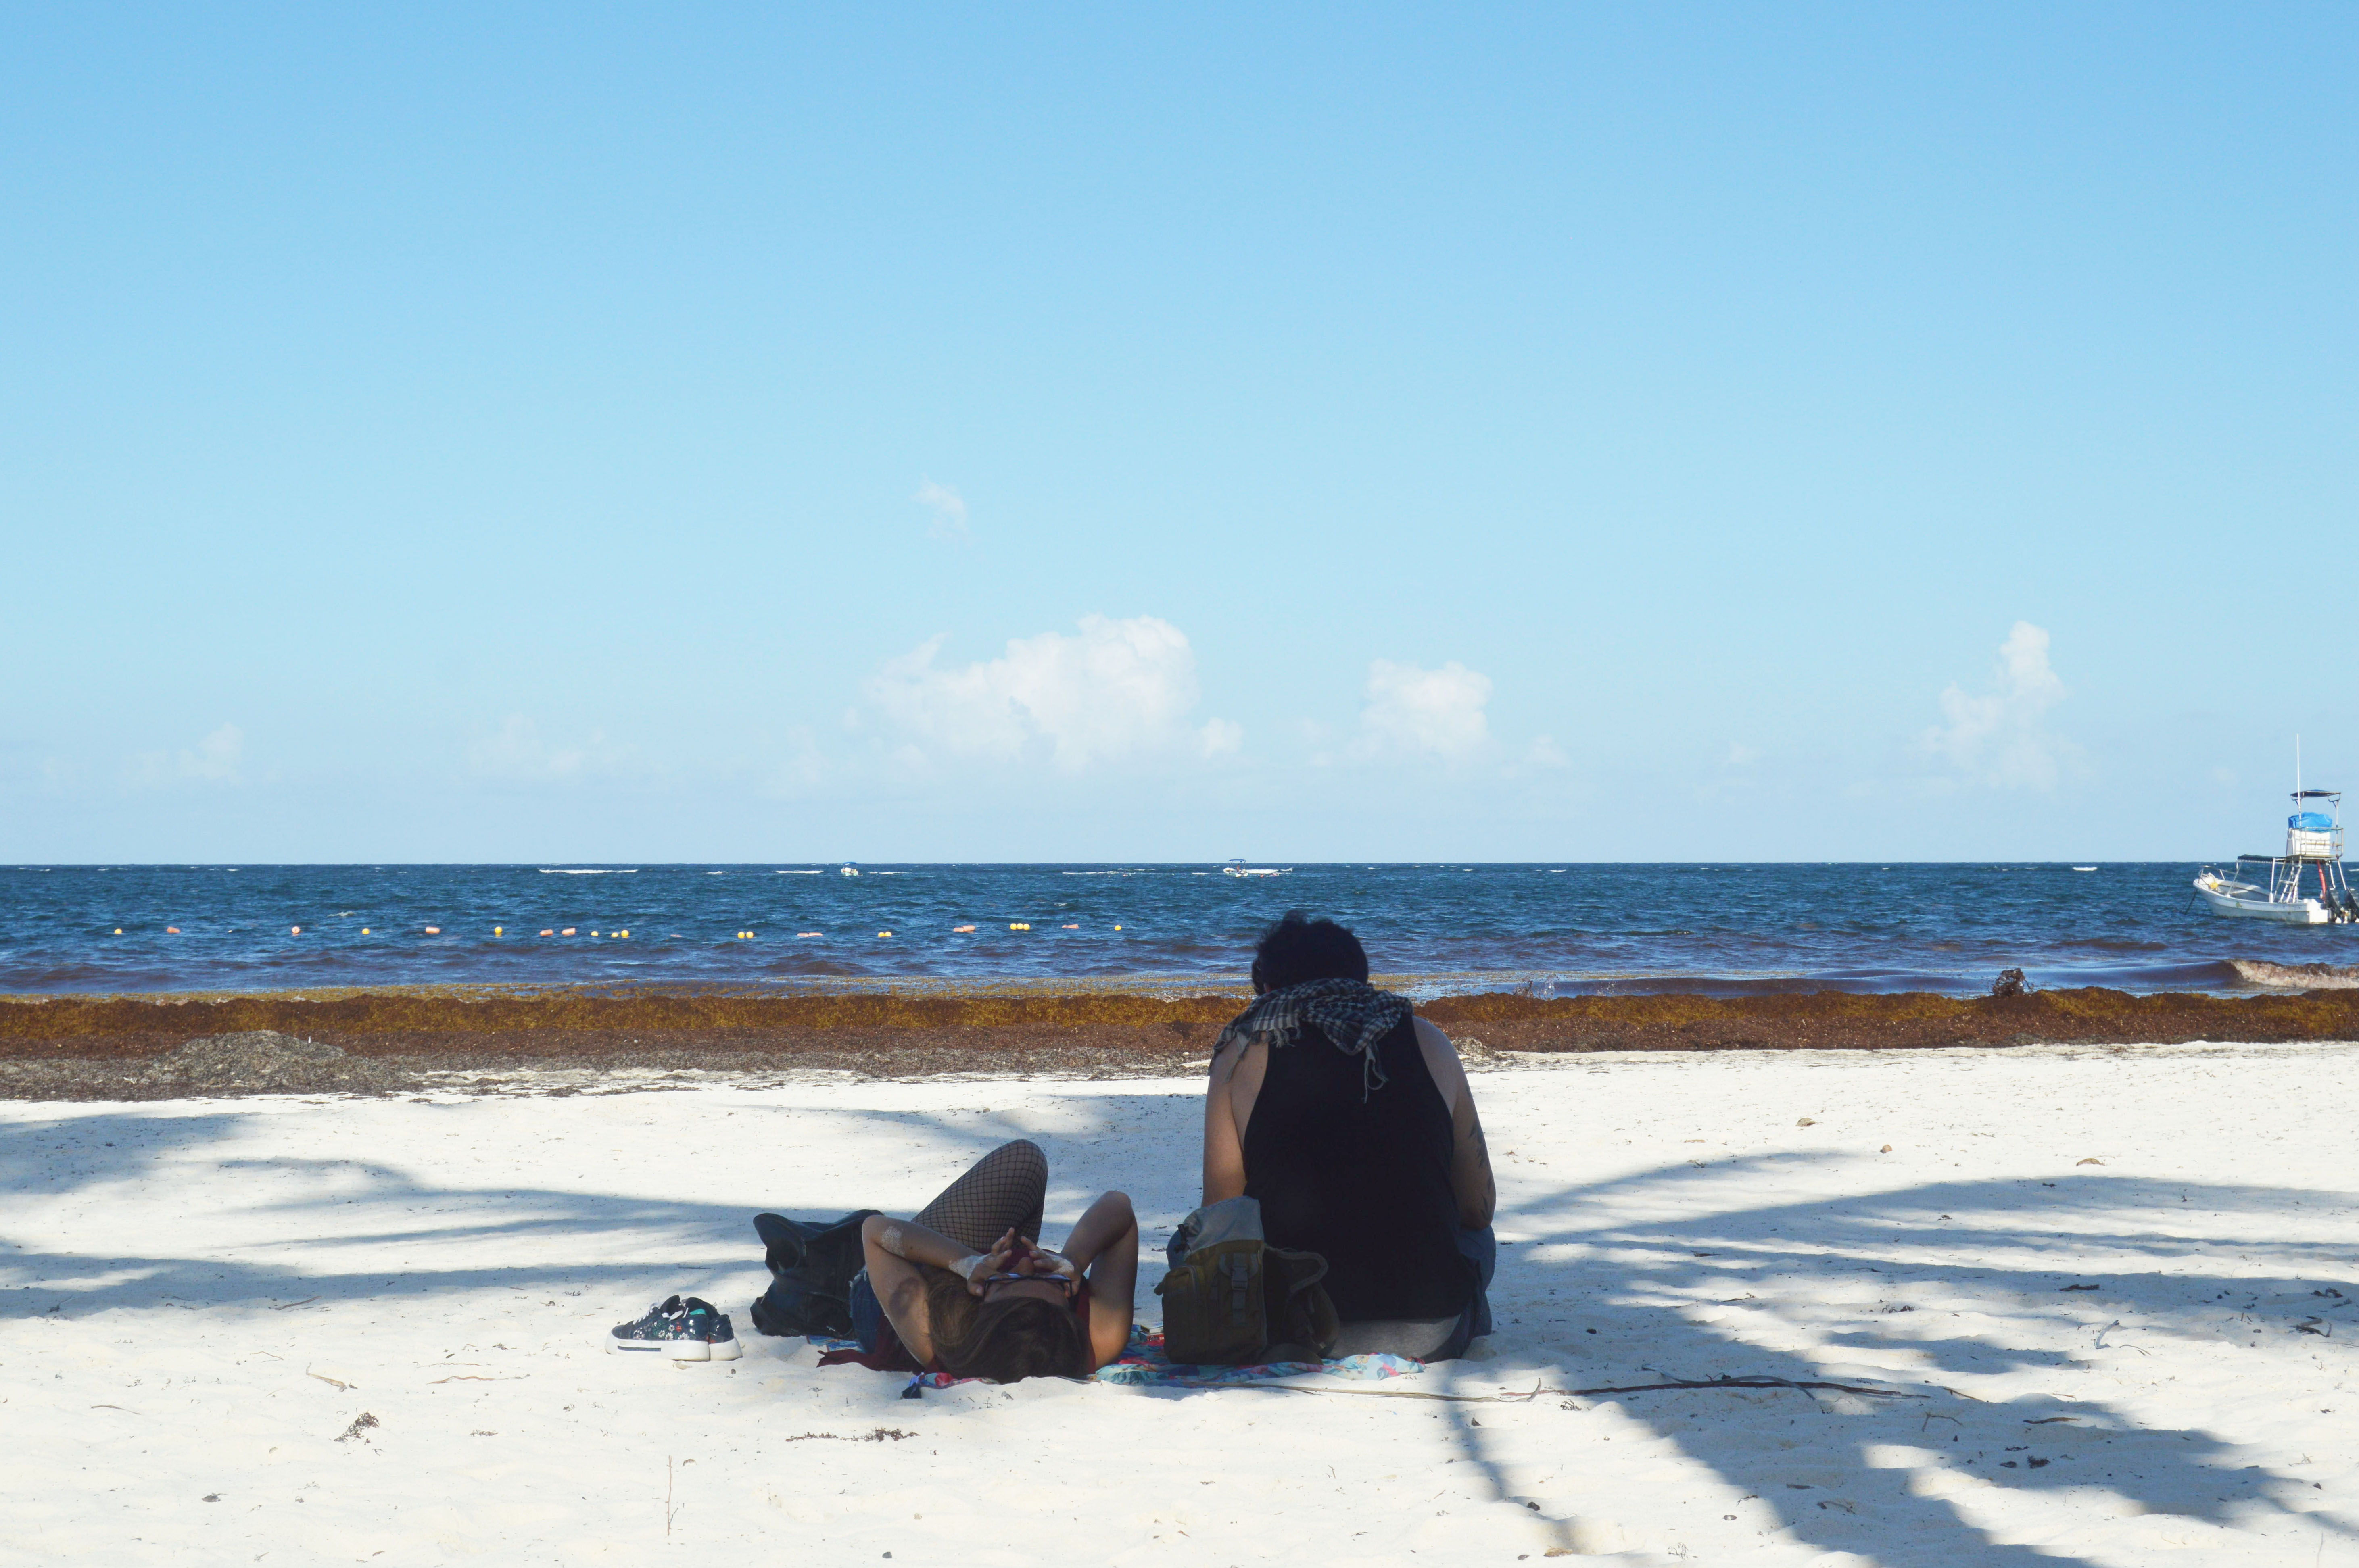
(679, 1329)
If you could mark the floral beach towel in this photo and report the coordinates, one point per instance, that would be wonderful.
(1143, 1363)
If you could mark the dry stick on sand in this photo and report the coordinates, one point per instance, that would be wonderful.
(1520, 1396)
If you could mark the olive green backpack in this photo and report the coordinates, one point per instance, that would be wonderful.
(1233, 1298)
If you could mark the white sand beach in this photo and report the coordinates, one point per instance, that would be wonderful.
(207, 1300)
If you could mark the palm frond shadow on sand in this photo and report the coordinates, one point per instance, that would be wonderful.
(1680, 1275)
(1659, 1262)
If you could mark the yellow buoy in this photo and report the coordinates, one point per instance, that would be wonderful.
(884, 934)
(118, 931)
(499, 930)
(1019, 925)
(364, 930)
(1117, 928)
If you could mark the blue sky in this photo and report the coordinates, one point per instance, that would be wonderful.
(1812, 432)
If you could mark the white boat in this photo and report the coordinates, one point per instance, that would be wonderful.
(2226, 895)
(1239, 868)
(850, 870)
(2304, 886)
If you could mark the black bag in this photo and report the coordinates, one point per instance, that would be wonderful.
(1231, 1298)
(811, 1266)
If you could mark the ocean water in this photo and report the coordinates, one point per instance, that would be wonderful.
(1561, 929)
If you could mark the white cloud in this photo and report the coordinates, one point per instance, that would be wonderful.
(2000, 738)
(1435, 712)
(948, 506)
(214, 760)
(216, 756)
(1220, 737)
(516, 751)
(1118, 689)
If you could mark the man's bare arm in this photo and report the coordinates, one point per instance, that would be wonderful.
(1224, 1151)
(1469, 1166)
(1470, 1153)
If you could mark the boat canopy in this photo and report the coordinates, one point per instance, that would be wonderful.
(2311, 821)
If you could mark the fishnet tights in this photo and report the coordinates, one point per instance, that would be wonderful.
(1009, 1187)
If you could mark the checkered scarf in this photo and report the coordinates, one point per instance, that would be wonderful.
(1353, 1014)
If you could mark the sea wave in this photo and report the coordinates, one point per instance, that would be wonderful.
(2296, 977)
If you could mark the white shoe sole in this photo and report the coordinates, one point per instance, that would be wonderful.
(676, 1349)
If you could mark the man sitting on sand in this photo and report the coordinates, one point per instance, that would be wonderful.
(1351, 1122)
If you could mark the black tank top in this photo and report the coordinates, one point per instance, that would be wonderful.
(1364, 1183)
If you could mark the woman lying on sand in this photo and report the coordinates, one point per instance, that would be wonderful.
(964, 1288)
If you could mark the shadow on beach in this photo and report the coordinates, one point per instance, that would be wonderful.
(1595, 1287)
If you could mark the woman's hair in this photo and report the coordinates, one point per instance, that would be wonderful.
(1003, 1341)
(1298, 948)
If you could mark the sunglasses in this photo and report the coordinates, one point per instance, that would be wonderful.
(1057, 1279)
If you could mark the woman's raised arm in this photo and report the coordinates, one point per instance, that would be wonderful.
(894, 1249)
(1104, 1247)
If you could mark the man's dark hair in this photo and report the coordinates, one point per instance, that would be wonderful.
(1298, 948)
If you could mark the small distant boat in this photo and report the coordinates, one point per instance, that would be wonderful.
(850, 870)
(1239, 868)
(2084, 868)
(2279, 887)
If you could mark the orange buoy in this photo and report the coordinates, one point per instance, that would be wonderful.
(548, 933)
(434, 931)
(567, 932)
(294, 931)
(802, 934)
(172, 930)
(961, 928)
(1072, 928)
